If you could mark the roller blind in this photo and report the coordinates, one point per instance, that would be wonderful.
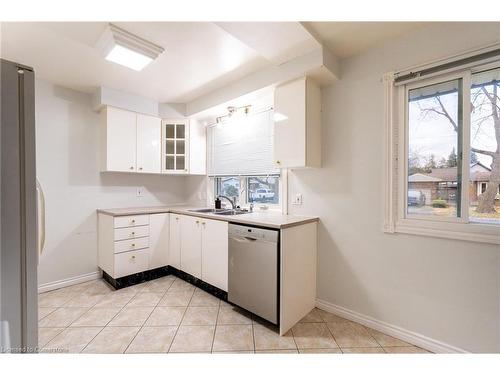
(242, 145)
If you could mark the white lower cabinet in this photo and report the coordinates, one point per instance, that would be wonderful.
(132, 244)
(191, 245)
(214, 253)
(204, 249)
(158, 240)
(174, 256)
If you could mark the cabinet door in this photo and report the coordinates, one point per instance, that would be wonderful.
(214, 252)
(174, 251)
(175, 146)
(290, 132)
(197, 148)
(191, 245)
(121, 140)
(148, 144)
(158, 240)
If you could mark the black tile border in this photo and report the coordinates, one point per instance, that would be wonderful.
(213, 290)
(142, 277)
(136, 278)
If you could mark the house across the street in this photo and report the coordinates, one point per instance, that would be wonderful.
(441, 183)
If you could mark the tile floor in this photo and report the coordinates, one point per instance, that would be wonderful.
(169, 315)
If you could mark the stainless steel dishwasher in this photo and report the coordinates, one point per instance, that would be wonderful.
(253, 270)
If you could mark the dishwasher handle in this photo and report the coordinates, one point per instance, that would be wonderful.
(243, 239)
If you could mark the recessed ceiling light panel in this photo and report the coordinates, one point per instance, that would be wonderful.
(120, 46)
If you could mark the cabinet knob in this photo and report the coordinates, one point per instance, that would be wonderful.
(133, 245)
(278, 162)
(133, 220)
(133, 256)
(132, 234)
(140, 168)
(176, 218)
(197, 222)
(203, 222)
(131, 167)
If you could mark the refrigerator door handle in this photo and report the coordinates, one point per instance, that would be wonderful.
(41, 218)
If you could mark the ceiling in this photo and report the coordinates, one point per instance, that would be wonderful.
(346, 39)
(199, 57)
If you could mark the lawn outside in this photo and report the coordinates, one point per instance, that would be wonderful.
(450, 211)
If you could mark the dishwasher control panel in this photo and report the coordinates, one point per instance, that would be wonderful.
(254, 233)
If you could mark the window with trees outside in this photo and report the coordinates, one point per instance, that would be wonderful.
(437, 163)
(243, 190)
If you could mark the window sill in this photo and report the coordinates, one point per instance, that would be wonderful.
(456, 231)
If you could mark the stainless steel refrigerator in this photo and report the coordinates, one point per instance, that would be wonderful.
(18, 205)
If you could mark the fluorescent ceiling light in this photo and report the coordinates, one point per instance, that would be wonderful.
(128, 58)
(124, 48)
(279, 117)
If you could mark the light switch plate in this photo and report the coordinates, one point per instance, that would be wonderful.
(140, 191)
(297, 199)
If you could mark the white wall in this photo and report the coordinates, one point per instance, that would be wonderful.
(444, 289)
(67, 140)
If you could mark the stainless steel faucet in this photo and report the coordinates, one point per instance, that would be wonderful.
(233, 204)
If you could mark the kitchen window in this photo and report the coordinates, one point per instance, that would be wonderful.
(240, 160)
(244, 190)
(443, 153)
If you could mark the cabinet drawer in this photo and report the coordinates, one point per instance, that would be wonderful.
(131, 221)
(131, 232)
(131, 262)
(128, 245)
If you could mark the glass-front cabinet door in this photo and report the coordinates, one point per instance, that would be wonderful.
(175, 136)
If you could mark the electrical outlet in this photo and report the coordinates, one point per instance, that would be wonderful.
(140, 191)
(297, 199)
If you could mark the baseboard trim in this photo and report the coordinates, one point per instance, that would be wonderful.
(47, 287)
(414, 338)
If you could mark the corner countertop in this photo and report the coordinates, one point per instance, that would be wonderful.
(269, 219)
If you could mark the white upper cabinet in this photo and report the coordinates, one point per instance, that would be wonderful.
(148, 144)
(119, 140)
(297, 129)
(134, 142)
(175, 146)
(197, 148)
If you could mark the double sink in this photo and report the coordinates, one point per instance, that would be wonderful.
(220, 211)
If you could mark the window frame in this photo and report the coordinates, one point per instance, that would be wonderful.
(243, 191)
(396, 219)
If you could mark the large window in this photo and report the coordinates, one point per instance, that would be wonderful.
(437, 166)
(444, 154)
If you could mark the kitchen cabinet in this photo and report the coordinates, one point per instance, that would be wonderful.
(297, 129)
(175, 146)
(159, 227)
(118, 135)
(148, 144)
(175, 241)
(132, 244)
(204, 249)
(130, 141)
(191, 245)
(214, 253)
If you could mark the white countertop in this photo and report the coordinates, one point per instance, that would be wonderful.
(270, 219)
